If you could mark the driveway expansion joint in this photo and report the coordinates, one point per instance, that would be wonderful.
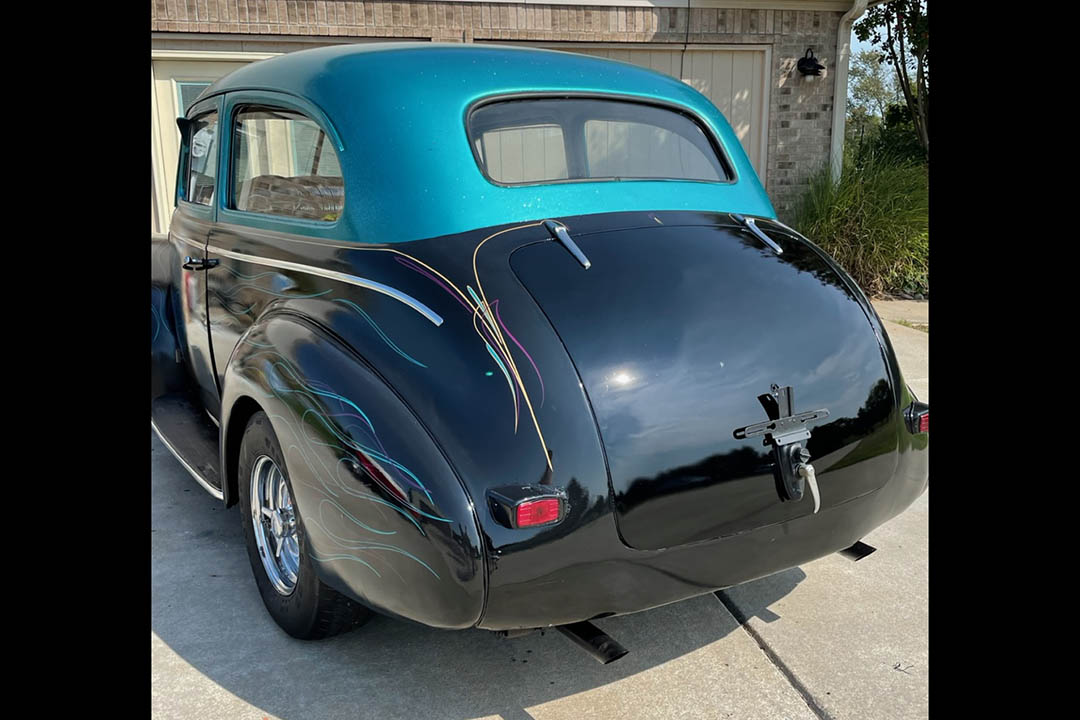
(773, 658)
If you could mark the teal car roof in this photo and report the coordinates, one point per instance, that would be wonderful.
(399, 110)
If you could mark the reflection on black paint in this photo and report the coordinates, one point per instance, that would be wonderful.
(798, 255)
(739, 463)
(745, 461)
(871, 418)
(707, 319)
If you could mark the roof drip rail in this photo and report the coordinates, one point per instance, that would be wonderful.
(559, 232)
(751, 225)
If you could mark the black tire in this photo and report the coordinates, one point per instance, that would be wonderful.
(312, 610)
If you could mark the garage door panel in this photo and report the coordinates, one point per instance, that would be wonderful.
(757, 107)
(698, 74)
(721, 83)
(666, 62)
(742, 79)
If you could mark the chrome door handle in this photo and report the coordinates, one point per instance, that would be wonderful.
(191, 263)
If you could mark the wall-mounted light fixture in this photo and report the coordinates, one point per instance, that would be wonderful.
(808, 64)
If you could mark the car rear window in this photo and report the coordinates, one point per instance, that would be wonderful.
(548, 140)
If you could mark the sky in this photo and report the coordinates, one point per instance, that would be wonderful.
(858, 46)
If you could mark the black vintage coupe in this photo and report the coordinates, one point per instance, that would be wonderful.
(509, 339)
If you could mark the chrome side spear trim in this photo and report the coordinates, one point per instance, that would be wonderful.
(378, 287)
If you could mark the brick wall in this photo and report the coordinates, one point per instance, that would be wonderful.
(800, 116)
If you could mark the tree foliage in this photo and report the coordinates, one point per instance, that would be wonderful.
(872, 84)
(899, 30)
(897, 137)
(892, 137)
(871, 90)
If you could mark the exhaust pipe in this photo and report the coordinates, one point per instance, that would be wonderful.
(522, 632)
(594, 641)
(858, 551)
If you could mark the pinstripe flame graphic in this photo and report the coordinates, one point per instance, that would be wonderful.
(490, 329)
(487, 323)
(322, 419)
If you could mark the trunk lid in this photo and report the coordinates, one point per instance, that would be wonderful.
(675, 332)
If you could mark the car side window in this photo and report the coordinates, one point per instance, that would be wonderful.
(202, 159)
(284, 164)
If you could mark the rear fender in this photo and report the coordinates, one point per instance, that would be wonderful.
(387, 520)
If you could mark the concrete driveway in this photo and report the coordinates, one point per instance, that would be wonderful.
(831, 639)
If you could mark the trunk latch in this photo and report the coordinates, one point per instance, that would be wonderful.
(785, 431)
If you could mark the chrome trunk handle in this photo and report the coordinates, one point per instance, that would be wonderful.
(559, 232)
(751, 225)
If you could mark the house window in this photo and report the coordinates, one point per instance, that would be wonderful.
(284, 164)
(186, 92)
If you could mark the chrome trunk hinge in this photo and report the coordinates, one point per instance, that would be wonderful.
(751, 225)
(558, 231)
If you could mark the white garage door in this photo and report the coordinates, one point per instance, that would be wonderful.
(733, 78)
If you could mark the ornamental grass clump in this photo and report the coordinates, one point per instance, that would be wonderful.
(874, 222)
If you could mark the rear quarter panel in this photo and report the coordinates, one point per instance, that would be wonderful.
(409, 548)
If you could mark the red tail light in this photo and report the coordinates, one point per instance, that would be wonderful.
(525, 506)
(537, 512)
(924, 422)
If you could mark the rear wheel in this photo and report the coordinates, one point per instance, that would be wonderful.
(298, 601)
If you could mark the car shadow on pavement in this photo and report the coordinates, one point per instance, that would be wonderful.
(205, 608)
(755, 597)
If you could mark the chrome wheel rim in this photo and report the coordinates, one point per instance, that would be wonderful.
(274, 520)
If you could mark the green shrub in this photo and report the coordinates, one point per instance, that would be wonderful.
(897, 138)
(892, 137)
(874, 222)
